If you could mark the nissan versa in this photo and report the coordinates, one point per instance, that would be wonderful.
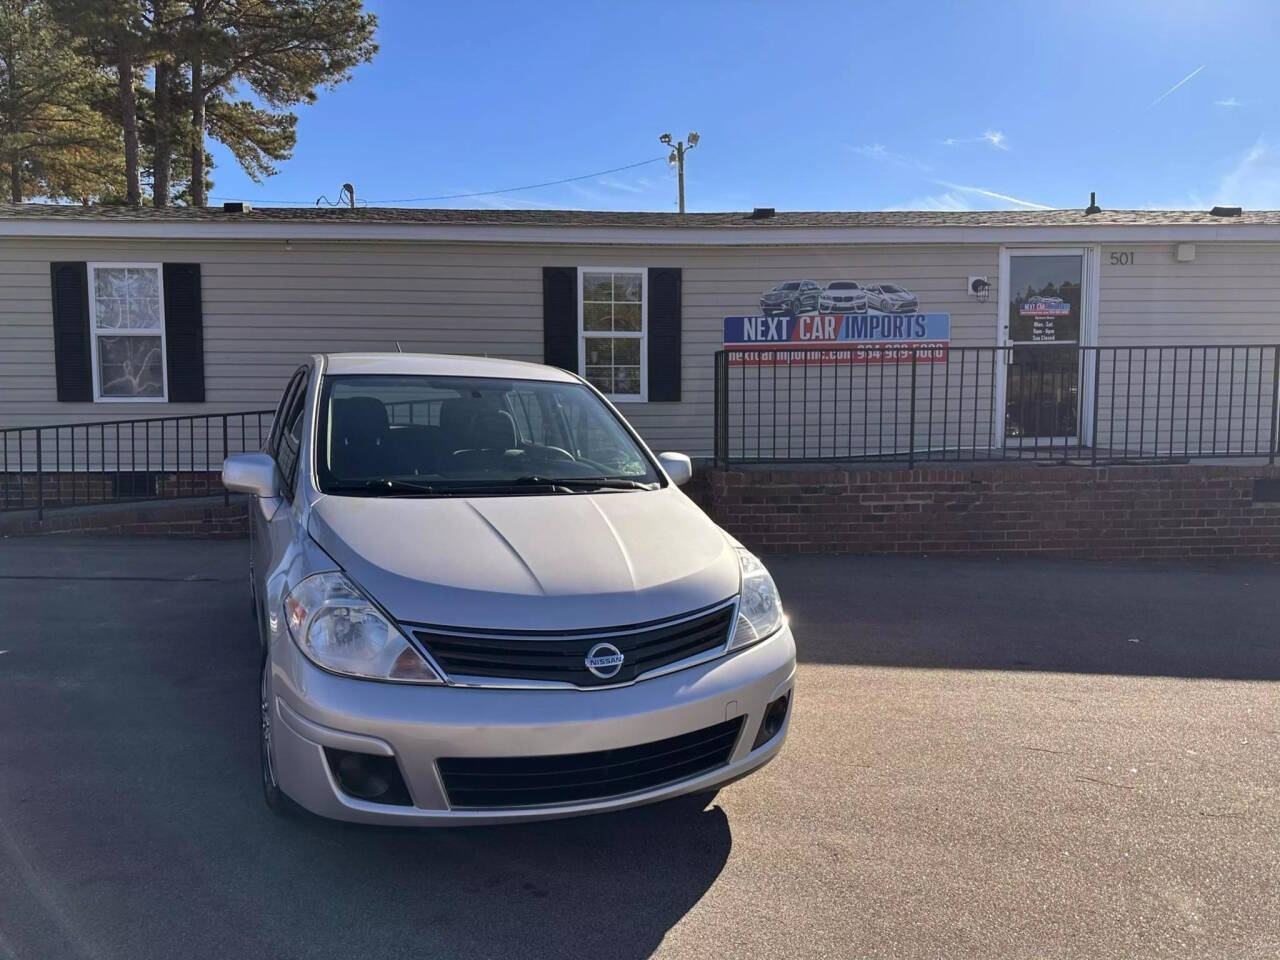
(481, 598)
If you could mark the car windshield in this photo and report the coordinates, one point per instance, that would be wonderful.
(393, 435)
(889, 288)
(842, 285)
(789, 285)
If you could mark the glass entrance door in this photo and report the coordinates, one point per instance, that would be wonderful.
(1045, 304)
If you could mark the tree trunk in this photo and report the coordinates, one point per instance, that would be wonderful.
(129, 120)
(163, 159)
(15, 157)
(198, 198)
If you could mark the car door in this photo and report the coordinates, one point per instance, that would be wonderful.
(270, 519)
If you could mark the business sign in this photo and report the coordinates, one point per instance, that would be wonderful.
(837, 338)
(1044, 307)
(837, 321)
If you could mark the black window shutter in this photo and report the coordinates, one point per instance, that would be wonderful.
(184, 332)
(72, 361)
(560, 317)
(664, 333)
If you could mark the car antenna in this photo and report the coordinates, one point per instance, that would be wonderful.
(399, 349)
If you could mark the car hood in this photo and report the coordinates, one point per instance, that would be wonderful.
(565, 561)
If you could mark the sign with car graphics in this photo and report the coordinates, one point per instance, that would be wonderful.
(859, 323)
(1044, 307)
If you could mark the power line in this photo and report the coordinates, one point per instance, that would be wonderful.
(479, 193)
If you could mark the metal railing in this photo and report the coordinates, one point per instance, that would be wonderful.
(1061, 402)
(156, 458)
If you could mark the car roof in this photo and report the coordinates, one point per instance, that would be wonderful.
(443, 365)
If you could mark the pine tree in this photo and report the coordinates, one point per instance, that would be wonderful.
(52, 141)
(117, 34)
(166, 131)
(282, 50)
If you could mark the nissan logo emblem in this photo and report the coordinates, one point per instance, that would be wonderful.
(604, 660)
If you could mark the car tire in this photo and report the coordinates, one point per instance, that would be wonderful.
(275, 798)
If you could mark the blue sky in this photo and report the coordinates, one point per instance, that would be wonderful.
(802, 106)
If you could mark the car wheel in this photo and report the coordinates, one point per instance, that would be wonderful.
(271, 792)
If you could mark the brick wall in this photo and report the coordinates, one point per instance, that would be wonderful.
(1172, 512)
(206, 517)
(1104, 512)
(21, 491)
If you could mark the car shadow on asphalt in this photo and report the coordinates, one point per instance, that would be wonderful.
(1073, 616)
(610, 885)
(128, 713)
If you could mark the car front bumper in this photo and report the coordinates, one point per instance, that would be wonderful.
(418, 724)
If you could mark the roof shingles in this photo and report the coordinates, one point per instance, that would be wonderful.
(602, 218)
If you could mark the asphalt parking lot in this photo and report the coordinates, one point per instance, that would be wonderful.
(988, 759)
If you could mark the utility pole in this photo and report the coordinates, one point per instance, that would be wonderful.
(678, 151)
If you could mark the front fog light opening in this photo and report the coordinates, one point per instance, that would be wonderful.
(775, 715)
(368, 777)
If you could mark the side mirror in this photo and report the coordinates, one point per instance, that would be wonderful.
(253, 473)
(679, 467)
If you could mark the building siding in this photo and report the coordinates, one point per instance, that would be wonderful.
(268, 304)
(1230, 293)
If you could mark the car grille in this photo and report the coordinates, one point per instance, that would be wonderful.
(488, 782)
(560, 656)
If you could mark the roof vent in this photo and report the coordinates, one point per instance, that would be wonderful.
(1093, 207)
(762, 213)
(236, 206)
(1225, 212)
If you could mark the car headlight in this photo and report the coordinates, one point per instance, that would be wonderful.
(339, 630)
(760, 607)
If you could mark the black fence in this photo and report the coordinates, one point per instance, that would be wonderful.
(1113, 404)
(157, 458)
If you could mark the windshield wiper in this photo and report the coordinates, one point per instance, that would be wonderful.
(391, 487)
(386, 485)
(577, 483)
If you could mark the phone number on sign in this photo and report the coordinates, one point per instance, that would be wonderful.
(869, 353)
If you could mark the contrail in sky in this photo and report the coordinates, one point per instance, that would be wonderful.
(1176, 86)
(991, 193)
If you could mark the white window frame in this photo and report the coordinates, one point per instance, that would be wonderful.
(94, 333)
(642, 334)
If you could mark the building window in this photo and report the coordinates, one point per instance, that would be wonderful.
(612, 353)
(126, 323)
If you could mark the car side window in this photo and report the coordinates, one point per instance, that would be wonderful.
(277, 423)
(531, 422)
(290, 440)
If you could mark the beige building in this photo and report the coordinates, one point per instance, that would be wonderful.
(115, 313)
